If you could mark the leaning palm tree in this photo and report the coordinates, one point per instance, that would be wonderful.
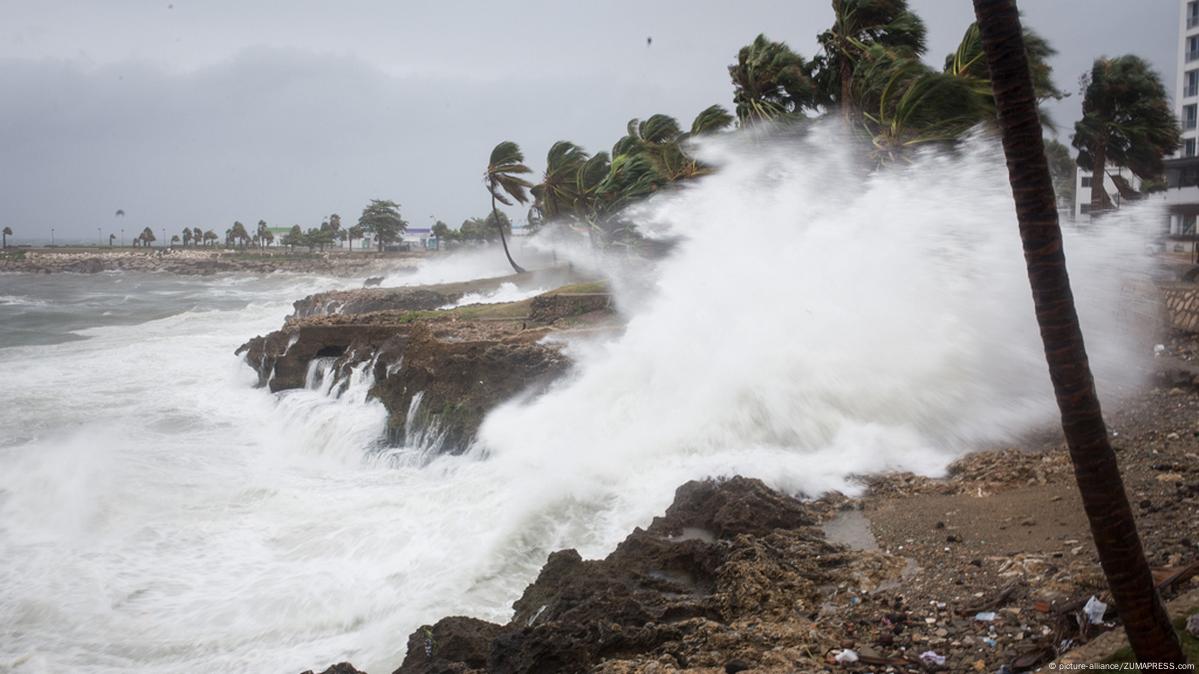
(1112, 525)
(504, 182)
(4, 234)
(857, 26)
(771, 82)
(554, 197)
(1126, 121)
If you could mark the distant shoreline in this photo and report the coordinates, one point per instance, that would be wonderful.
(197, 261)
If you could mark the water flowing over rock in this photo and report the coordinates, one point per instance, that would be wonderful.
(437, 372)
(732, 571)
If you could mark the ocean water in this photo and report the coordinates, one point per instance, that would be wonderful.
(159, 514)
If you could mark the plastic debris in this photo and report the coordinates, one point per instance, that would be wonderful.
(1159, 349)
(990, 642)
(1094, 610)
(846, 656)
(932, 658)
(985, 616)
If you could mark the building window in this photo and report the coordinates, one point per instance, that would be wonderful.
(1192, 84)
(1086, 181)
(1192, 14)
(1083, 209)
(1192, 48)
(1188, 147)
(1190, 115)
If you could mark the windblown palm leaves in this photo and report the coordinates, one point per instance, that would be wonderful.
(904, 103)
(858, 26)
(504, 182)
(557, 193)
(771, 82)
(588, 192)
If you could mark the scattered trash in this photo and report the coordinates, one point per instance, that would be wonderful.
(932, 658)
(989, 641)
(846, 656)
(1094, 609)
(1193, 626)
(1159, 349)
(985, 616)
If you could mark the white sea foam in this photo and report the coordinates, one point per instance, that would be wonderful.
(158, 514)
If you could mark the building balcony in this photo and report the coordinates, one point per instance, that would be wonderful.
(1192, 55)
(1192, 21)
(1190, 91)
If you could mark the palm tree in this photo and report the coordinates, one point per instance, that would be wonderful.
(197, 235)
(210, 238)
(1095, 468)
(557, 193)
(858, 25)
(147, 237)
(770, 82)
(1126, 121)
(111, 238)
(4, 234)
(239, 234)
(261, 232)
(503, 180)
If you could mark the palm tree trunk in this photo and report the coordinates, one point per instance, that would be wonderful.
(1099, 198)
(846, 89)
(1095, 469)
(495, 214)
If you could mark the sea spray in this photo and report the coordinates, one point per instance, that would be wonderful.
(158, 514)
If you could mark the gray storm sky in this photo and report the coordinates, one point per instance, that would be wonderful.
(190, 113)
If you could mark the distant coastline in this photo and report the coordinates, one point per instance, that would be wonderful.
(193, 261)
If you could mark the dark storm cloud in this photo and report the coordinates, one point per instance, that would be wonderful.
(197, 114)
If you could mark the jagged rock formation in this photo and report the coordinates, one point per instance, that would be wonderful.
(731, 576)
(436, 371)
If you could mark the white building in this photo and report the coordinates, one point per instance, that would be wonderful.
(1182, 170)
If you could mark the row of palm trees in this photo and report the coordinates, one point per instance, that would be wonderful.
(870, 71)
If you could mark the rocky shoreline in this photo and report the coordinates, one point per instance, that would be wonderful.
(201, 261)
(985, 570)
(436, 370)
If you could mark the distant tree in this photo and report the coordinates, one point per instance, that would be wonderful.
(381, 218)
(197, 236)
(261, 232)
(4, 234)
(211, 238)
(353, 232)
(505, 184)
(147, 237)
(294, 237)
(1062, 169)
(443, 232)
(267, 237)
(239, 235)
(187, 236)
(335, 222)
(476, 229)
(111, 238)
(319, 237)
(1126, 121)
(174, 239)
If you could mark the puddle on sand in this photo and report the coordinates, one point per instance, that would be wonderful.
(850, 528)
